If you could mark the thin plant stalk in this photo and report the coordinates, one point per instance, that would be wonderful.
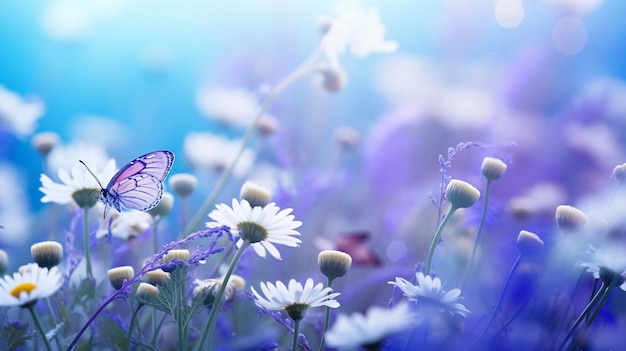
(39, 327)
(433, 244)
(296, 332)
(496, 309)
(326, 318)
(217, 303)
(305, 68)
(479, 233)
(133, 318)
(596, 298)
(86, 239)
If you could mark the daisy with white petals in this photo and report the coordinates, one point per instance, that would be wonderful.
(78, 187)
(261, 226)
(429, 290)
(27, 286)
(24, 289)
(281, 297)
(358, 330)
(295, 299)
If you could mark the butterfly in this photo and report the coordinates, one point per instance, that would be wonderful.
(139, 184)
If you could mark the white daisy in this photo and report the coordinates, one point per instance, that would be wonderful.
(596, 258)
(355, 330)
(215, 152)
(80, 180)
(261, 226)
(124, 225)
(430, 291)
(359, 30)
(32, 283)
(18, 115)
(295, 298)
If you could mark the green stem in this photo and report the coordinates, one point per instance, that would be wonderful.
(86, 235)
(304, 69)
(39, 327)
(157, 328)
(605, 296)
(326, 318)
(507, 282)
(599, 294)
(296, 331)
(132, 324)
(155, 239)
(217, 303)
(479, 233)
(433, 244)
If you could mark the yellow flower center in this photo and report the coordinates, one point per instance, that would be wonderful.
(27, 286)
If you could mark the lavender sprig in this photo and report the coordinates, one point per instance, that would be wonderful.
(152, 264)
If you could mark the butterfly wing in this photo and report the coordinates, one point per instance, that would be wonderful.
(139, 184)
(140, 192)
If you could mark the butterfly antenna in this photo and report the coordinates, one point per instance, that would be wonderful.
(94, 176)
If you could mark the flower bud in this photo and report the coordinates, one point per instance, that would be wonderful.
(183, 184)
(334, 79)
(147, 291)
(178, 254)
(528, 243)
(118, 275)
(461, 194)
(347, 137)
(47, 254)
(619, 173)
(44, 142)
(333, 263)
(156, 277)
(570, 219)
(267, 125)
(255, 194)
(493, 168)
(164, 207)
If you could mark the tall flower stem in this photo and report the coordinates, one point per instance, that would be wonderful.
(86, 240)
(326, 318)
(296, 332)
(479, 233)
(507, 282)
(39, 327)
(132, 325)
(305, 68)
(433, 244)
(603, 289)
(217, 304)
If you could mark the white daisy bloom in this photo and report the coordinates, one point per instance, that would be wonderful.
(215, 152)
(262, 226)
(295, 298)
(429, 290)
(18, 115)
(359, 30)
(79, 180)
(596, 258)
(234, 107)
(26, 287)
(355, 330)
(124, 225)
